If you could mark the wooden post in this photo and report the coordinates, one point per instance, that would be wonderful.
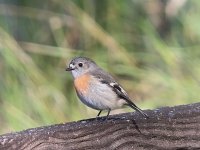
(167, 128)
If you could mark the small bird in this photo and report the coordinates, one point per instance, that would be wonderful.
(96, 88)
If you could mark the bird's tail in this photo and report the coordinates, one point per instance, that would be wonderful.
(132, 105)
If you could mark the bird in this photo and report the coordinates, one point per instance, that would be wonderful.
(96, 88)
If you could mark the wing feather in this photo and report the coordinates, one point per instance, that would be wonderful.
(105, 78)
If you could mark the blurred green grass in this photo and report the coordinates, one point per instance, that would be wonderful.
(150, 47)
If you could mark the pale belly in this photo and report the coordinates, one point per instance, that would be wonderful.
(100, 97)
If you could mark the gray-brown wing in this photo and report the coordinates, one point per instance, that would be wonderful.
(105, 78)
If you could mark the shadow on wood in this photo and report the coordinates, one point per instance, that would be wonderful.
(167, 128)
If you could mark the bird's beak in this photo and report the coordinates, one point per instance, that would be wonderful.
(70, 68)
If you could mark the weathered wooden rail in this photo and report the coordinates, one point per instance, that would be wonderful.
(167, 128)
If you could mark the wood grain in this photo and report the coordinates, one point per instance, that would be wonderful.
(167, 128)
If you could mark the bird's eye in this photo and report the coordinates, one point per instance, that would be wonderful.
(80, 64)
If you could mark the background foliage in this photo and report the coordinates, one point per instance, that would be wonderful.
(151, 47)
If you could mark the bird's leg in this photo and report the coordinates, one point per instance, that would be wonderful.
(108, 113)
(99, 113)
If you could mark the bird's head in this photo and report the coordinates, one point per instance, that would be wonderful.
(80, 66)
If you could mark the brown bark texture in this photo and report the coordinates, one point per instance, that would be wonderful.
(166, 128)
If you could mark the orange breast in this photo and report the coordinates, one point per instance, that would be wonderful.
(82, 83)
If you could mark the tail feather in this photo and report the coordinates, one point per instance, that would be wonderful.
(139, 110)
(132, 105)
